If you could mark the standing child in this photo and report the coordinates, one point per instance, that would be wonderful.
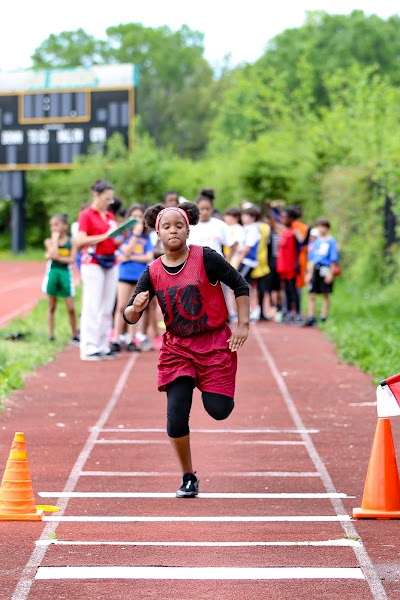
(324, 258)
(58, 281)
(287, 264)
(198, 349)
(133, 256)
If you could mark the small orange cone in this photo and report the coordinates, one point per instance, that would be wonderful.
(17, 502)
(381, 499)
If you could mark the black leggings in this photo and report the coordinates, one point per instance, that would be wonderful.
(292, 297)
(179, 403)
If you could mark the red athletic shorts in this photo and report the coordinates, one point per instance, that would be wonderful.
(205, 357)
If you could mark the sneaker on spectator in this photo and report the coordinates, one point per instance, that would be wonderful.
(298, 320)
(115, 347)
(189, 487)
(255, 314)
(109, 355)
(94, 356)
(310, 322)
(146, 345)
(133, 347)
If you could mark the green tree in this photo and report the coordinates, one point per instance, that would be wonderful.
(177, 90)
(332, 42)
(69, 49)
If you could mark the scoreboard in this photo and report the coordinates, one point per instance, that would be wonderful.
(48, 117)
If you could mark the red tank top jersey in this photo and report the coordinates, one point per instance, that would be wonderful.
(189, 302)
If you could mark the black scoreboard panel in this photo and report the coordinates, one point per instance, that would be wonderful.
(51, 128)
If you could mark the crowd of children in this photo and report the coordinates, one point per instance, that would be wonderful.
(276, 253)
(279, 255)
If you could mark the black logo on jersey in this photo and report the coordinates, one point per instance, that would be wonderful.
(183, 309)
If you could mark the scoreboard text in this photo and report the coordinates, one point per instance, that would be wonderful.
(48, 124)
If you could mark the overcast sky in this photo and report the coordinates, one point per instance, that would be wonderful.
(239, 29)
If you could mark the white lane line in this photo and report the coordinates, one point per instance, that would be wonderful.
(216, 495)
(155, 430)
(120, 442)
(215, 474)
(219, 519)
(21, 591)
(219, 442)
(234, 573)
(342, 543)
(372, 577)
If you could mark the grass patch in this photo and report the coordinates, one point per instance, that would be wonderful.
(365, 327)
(20, 358)
(31, 254)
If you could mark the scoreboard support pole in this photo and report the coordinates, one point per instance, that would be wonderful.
(13, 188)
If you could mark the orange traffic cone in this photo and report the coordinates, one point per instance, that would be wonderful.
(17, 502)
(381, 499)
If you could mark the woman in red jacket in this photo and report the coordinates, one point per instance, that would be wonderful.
(99, 273)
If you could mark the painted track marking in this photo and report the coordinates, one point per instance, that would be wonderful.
(342, 543)
(194, 519)
(299, 431)
(228, 495)
(372, 578)
(213, 474)
(219, 442)
(235, 573)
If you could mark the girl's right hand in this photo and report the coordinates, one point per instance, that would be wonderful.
(141, 301)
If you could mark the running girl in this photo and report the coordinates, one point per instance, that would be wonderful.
(198, 349)
(58, 281)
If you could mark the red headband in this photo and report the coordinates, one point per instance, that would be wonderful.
(164, 210)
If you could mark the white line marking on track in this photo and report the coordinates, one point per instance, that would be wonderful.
(120, 442)
(156, 430)
(219, 442)
(234, 573)
(342, 543)
(25, 582)
(372, 577)
(216, 474)
(194, 519)
(216, 495)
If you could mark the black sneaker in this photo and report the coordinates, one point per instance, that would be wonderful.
(310, 322)
(115, 347)
(74, 341)
(94, 356)
(133, 347)
(189, 487)
(109, 355)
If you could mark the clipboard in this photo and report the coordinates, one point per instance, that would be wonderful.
(125, 225)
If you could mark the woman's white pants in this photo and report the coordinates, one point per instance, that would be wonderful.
(98, 302)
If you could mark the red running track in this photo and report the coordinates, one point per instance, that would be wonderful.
(20, 288)
(279, 480)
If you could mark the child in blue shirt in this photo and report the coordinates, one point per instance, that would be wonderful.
(323, 260)
(136, 252)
